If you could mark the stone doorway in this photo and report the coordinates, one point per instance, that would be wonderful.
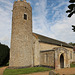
(61, 61)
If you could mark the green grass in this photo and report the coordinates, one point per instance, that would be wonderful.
(72, 65)
(25, 70)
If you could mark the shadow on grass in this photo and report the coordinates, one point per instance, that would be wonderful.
(25, 70)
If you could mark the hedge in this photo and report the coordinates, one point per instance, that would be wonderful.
(4, 54)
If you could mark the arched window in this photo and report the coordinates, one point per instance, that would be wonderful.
(46, 58)
(25, 16)
(70, 55)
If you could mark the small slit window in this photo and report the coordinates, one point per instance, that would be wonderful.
(25, 16)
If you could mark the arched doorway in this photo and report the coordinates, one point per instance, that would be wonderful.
(61, 61)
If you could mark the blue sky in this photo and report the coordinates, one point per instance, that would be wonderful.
(49, 19)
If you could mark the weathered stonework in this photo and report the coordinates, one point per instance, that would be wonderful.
(53, 57)
(45, 46)
(31, 49)
(21, 38)
(74, 56)
(62, 51)
(48, 60)
(36, 51)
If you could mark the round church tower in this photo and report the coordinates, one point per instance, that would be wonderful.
(21, 38)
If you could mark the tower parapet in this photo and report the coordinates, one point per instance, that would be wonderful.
(22, 4)
(22, 0)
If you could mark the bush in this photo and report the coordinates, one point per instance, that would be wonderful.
(4, 54)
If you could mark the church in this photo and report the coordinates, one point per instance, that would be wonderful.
(29, 49)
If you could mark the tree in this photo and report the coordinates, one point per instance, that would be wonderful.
(71, 11)
(4, 54)
(73, 28)
(71, 8)
(72, 44)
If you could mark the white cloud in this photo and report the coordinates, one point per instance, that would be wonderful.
(7, 2)
(60, 4)
(5, 22)
(39, 20)
(63, 30)
(5, 40)
(37, 4)
(59, 27)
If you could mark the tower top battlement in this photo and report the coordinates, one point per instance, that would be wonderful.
(22, 3)
(22, 0)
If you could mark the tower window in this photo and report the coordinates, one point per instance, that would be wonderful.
(25, 16)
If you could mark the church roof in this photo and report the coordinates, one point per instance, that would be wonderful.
(48, 40)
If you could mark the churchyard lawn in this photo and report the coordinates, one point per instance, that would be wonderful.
(25, 70)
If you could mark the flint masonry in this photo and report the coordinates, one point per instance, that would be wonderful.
(21, 39)
(29, 49)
